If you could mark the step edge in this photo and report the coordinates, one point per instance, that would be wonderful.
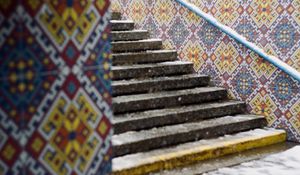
(203, 106)
(156, 79)
(137, 41)
(171, 160)
(121, 21)
(127, 123)
(161, 51)
(144, 66)
(130, 31)
(230, 121)
(163, 94)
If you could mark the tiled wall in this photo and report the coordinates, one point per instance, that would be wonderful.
(274, 25)
(55, 93)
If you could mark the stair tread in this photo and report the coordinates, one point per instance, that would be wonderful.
(142, 57)
(156, 84)
(138, 160)
(143, 53)
(229, 160)
(122, 25)
(131, 35)
(136, 121)
(121, 21)
(136, 45)
(173, 110)
(152, 65)
(155, 79)
(138, 41)
(129, 31)
(174, 93)
(135, 136)
(151, 70)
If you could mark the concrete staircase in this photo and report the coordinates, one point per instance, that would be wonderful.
(166, 115)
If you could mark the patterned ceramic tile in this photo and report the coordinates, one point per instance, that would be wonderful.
(178, 32)
(295, 58)
(138, 10)
(193, 51)
(227, 12)
(247, 28)
(164, 12)
(55, 94)
(209, 37)
(263, 12)
(243, 83)
(271, 24)
(284, 36)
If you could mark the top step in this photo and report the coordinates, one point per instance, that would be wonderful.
(121, 25)
(116, 16)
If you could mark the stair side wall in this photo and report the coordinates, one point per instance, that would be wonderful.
(273, 25)
(55, 91)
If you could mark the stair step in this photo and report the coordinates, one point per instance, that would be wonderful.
(188, 153)
(130, 103)
(129, 35)
(152, 70)
(120, 25)
(134, 46)
(150, 56)
(145, 140)
(116, 16)
(160, 117)
(229, 160)
(125, 87)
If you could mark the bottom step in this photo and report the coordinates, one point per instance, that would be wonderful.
(170, 158)
(211, 165)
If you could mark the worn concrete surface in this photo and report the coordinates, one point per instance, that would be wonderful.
(130, 103)
(132, 35)
(132, 142)
(229, 160)
(148, 85)
(121, 25)
(149, 56)
(187, 153)
(140, 71)
(134, 46)
(175, 115)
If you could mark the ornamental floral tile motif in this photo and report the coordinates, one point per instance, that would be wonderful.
(55, 94)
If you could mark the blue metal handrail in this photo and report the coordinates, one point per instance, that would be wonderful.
(272, 59)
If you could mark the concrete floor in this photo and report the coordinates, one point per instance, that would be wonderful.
(284, 163)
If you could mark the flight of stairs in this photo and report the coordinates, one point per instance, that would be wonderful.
(166, 115)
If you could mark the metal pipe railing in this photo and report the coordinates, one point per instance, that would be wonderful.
(272, 59)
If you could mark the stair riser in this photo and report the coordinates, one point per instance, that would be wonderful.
(119, 74)
(159, 142)
(176, 118)
(132, 36)
(159, 85)
(122, 26)
(135, 46)
(139, 105)
(144, 58)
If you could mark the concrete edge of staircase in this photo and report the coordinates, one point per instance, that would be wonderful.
(199, 153)
(234, 159)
